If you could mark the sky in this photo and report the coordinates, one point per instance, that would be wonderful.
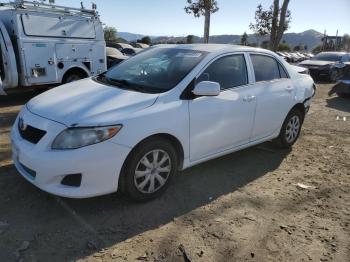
(167, 17)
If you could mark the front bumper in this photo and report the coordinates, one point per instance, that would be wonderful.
(319, 72)
(99, 164)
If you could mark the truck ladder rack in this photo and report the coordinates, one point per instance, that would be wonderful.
(40, 6)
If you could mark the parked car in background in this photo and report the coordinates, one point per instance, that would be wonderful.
(289, 57)
(166, 109)
(131, 51)
(328, 65)
(283, 55)
(46, 45)
(119, 46)
(141, 45)
(114, 56)
(341, 88)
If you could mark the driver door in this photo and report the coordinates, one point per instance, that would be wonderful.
(225, 121)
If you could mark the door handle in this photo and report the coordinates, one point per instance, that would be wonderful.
(248, 98)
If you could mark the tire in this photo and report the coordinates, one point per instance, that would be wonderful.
(291, 128)
(71, 77)
(333, 76)
(343, 95)
(138, 174)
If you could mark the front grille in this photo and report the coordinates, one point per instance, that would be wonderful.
(29, 133)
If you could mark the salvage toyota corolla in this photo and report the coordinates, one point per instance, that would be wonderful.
(166, 109)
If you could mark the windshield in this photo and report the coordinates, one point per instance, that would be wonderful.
(153, 71)
(327, 57)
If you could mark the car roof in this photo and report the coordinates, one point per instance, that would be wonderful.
(334, 53)
(216, 48)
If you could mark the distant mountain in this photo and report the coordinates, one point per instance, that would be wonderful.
(129, 36)
(310, 38)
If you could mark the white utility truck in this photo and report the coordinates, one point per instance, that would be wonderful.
(46, 44)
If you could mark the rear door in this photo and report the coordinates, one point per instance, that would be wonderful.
(8, 67)
(275, 96)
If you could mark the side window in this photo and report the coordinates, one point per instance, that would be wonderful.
(265, 68)
(283, 73)
(229, 71)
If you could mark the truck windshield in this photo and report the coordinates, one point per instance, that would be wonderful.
(156, 70)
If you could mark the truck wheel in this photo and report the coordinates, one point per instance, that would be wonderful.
(71, 77)
(148, 170)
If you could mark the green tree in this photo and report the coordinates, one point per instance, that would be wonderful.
(317, 49)
(299, 47)
(346, 42)
(190, 39)
(262, 25)
(284, 47)
(203, 8)
(265, 44)
(145, 40)
(273, 21)
(244, 39)
(110, 34)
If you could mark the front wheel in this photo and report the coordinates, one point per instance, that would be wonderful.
(290, 130)
(149, 169)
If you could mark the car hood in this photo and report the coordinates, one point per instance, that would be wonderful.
(87, 102)
(316, 63)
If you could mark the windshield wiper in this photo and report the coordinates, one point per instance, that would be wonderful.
(125, 84)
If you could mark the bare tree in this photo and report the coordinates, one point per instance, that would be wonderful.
(274, 21)
(203, 8)
(282, 26)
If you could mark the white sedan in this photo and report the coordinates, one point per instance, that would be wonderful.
(135, 126)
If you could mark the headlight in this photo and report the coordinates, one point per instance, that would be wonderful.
(73, 138)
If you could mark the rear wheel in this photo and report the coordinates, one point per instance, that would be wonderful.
(149, 169)
(291, 128)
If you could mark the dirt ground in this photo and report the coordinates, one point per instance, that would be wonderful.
(245, 206)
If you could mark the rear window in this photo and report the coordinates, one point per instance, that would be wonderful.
(328, 57)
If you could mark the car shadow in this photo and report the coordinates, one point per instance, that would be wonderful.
(82, 227)
(339, 103)
(18, 97)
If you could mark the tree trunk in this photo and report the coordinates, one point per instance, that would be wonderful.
(206, 26)
(280, 29)
(276, 6)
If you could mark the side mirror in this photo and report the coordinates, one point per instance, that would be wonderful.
(207, 88)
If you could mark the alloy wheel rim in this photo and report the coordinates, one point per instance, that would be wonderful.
(292, 129)
(152, 171)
